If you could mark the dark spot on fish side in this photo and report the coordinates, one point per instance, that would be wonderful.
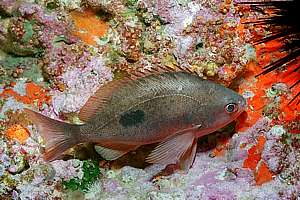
(132, 118)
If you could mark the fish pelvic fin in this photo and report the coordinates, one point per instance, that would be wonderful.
(109, 154)
(178, 149)
(187, 159)
(58, 136)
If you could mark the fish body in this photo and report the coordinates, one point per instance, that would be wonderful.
(173, 108)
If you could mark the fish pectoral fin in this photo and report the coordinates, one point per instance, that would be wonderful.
(171, 150)
(188, 158)
(109, 154)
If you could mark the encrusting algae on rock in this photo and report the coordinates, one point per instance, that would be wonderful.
(89, 28)
(18, 133)
(34, 94)
(254, 162)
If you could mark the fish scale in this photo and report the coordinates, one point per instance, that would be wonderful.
(150, 129)
(130, 96)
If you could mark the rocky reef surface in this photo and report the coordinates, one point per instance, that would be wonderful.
(54, 54)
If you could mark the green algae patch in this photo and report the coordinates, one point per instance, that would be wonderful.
(52, 5)
(132, 2)
(91, 172)
(130, 14)
(114, 56)
(59, 39)
(26, 44)
(28, 27)
(17, 67)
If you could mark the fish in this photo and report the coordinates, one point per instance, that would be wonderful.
(169, 107)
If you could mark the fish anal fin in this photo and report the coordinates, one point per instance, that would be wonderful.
(100, 99)
(114, 151)
(109, 154)
(171, 150)
(119, 146)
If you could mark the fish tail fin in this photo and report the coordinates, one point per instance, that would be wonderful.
(58, 136)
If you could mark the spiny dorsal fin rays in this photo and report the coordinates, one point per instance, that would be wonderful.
(143, 72)
(161, 82)
(99, 100)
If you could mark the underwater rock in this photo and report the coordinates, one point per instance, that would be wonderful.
(89, 26)
(48, 66)
(68, 5)
(130, 43)
(22, 68)
(7, 7)
(67, 170)
(8, 105)
(94, 191)
(19, 32)
(271, 154)
(18, 133)
(76, 77)
(114, 7)
(30, 30)
(189, 24)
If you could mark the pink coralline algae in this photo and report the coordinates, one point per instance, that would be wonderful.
(203, 36)
(8, 6)
(67, 170)
(30, 29)
(80, 85)
(76, 71)
(52, 25)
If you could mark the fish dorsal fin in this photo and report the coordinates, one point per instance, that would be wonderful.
(171, 150)
(101, 97)
(143, 72)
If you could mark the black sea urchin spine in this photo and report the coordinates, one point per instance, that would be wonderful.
(284, 21)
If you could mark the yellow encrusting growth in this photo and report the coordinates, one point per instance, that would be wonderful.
(18, 133)
(88, 27)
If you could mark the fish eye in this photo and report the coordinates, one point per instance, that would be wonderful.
(231, 107)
